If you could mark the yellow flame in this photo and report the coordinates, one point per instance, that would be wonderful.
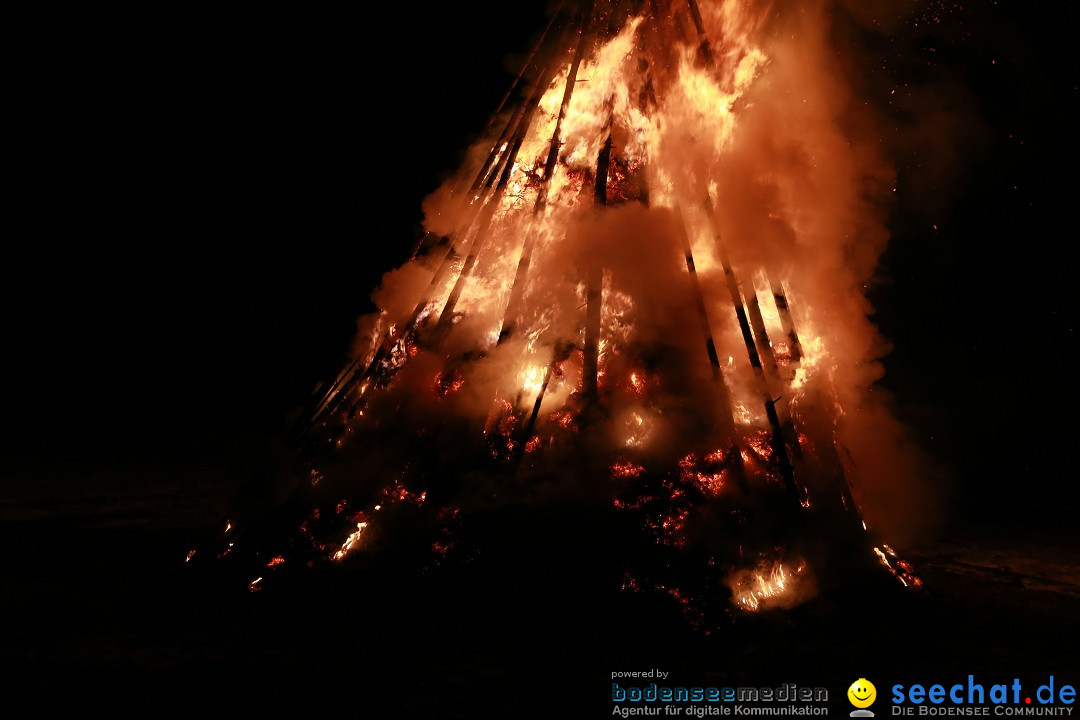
(350, 542)
(769, 583)
(639, 426)
(532, 379)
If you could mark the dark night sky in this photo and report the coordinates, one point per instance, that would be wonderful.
(213, 197)
(205, 200)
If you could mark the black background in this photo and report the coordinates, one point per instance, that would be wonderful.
(205, 200)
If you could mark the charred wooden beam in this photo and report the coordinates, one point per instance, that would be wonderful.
(407, 326)
(591, 362)
(761, 335)
(354, 377)
(786, 322)
(562, 351)
(320, 404)
(594, 296)
(727, 418)
(681, 30)
(584, 35)
(498, 151)
(778, 440)
(702, 311)
(772, 370)
(703, 39)
(488, 213)
(502, 148)
(603, 166)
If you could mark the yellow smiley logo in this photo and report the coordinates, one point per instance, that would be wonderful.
(862, 693)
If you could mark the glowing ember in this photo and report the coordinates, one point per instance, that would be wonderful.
(636, 504)
(671, 527)
(626, 469)
(761, 445)
(447, 383)
(716, 456)
(399, 493)
(562, 418)
(710, 484)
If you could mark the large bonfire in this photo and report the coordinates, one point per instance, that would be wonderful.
(642, 297)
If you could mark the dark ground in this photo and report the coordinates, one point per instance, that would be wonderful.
(211, 198)
(101, 606)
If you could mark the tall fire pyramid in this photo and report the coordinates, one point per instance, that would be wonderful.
(641, 297)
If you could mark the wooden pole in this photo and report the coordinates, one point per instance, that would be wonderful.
(517, 290)
(765, 350)
(706, 329)
(568, 92)
(595, 283)
(786, 322)
(726, 415)
(536, 93)
(703, 47)
(778, 442)
(488, 213)
(560, 354)
(482, 184)
(525, 67)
